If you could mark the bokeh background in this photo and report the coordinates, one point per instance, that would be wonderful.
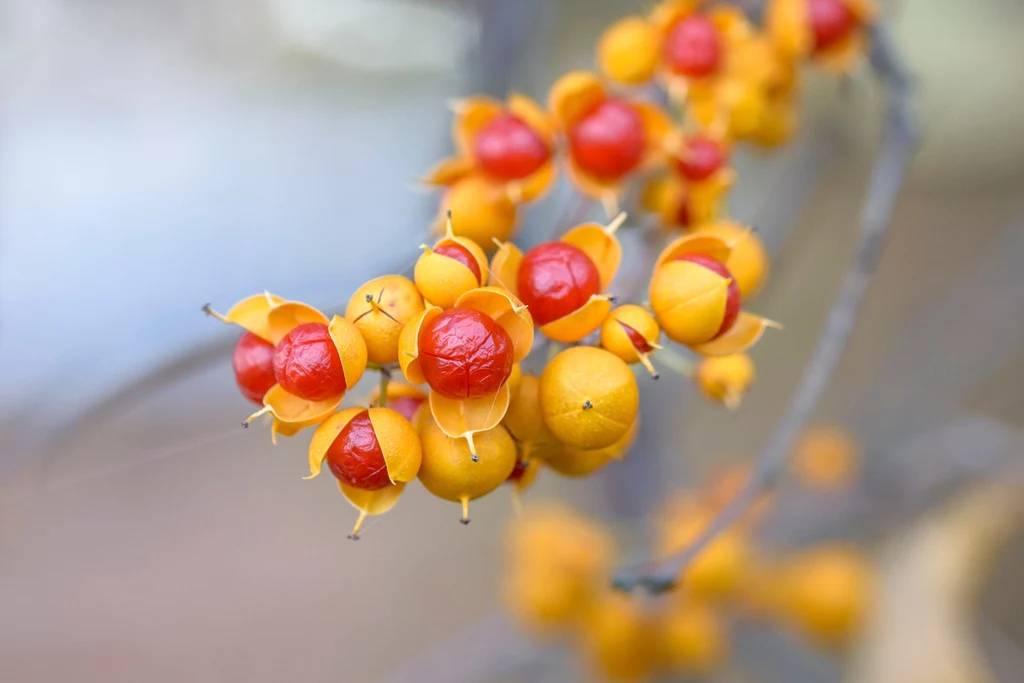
(157, 156)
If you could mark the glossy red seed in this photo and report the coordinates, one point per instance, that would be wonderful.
(406, 406)
(508, 149)
(700, 159)
(465, 354)
(307, 364)
(608, 142)
(460, 254)
(518, 471)
(636, 339)
(693, 47)
(253, 361)
(555, 279)
(355, 456)
(831, 22)
(732, 301)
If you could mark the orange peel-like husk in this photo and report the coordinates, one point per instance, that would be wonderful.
(409, 344)
(372, 502)
(450, 171)
(573, 96)
(706, 197)
(325, 435)
(464, 417)
(351, 349)
(731, 22)
(601, 246)
(533, 186)
(786, 22)
(744, 333)
(286, 316)
(533, 115)
(840, 58)
(505, 268)
(471, 115)
(604, 189)
(498, 304)
(688, 301)
(668, 13)
(251, 314)
(661, 195)
(399, 443)
(657, 126)
(529, 475)
(581, 322)
(694, 243)
(441, 279)
(291, 412)
(615, 339)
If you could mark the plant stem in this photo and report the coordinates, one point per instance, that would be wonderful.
(888, 175)
(385, 380)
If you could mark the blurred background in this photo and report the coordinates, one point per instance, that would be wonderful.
(157, 156)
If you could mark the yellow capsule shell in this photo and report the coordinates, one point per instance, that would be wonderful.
(441, 279)
(409, 344)
(726, 379)
(524, 420)
(398, 441)
(292, 414)
(529, 475)
(629, 50)
(449, 472)
(287, 315)
(710, 244)
(450, 171)
(481, 211)
(573, 96)
(584, 376)
(787, 23)
(615, 339)
(467, 417)
(471, 116)
(744, 333)
(689, 301)
(351, 349)
(251, 314)
(575, 326)
(668, 13)
(371, 502)
(515, 378)
(748, 260)
(601, 246)
(505, 268)
(534, 115)
(379, 309)
(578, 462)
(325, 435)
(499, 305)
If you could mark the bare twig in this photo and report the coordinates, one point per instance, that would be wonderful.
(898, 145)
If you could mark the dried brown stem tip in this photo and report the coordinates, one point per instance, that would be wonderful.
(898, 146)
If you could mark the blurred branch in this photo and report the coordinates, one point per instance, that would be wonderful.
(898, 145)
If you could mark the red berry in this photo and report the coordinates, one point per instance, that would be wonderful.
(636, 339)
(700, 159)
(460, 254)
(355, 456)
(307, 364)
(518, 471)
(253, 361)
(555, 279)
(732, 300)
(465, 354)
(406, 406)
(508, 149)
(693, 47)
(608, 142)
(831, 22)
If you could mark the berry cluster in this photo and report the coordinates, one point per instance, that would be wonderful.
(558, 563)
(465, 323)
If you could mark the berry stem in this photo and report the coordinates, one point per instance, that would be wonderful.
(899, 144)
(385, 380)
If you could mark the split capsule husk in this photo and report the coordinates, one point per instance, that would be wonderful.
(271, 318)
(441, 279)
(570, 461)
(629, 50)
(399, 444)
(748, 259)
(788, 24)
(632, 334)
(448, 470)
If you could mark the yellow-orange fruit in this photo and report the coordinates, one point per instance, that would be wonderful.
(379, 310)
(725, 379)
(480, 211)
(628, 51)
(448, 470)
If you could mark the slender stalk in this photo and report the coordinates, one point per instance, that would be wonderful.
(898, 145)
(385, 380)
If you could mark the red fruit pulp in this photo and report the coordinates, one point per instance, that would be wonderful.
(831, 22)
(355, 456)
(307, 364)
(732, 301)
(508, 149)
(406, 406)
(555, 279)
(608, 142)
(465, 354)
(693, 47)
(636, 339)
(700, 159)
(253, 361)
(460, 254)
